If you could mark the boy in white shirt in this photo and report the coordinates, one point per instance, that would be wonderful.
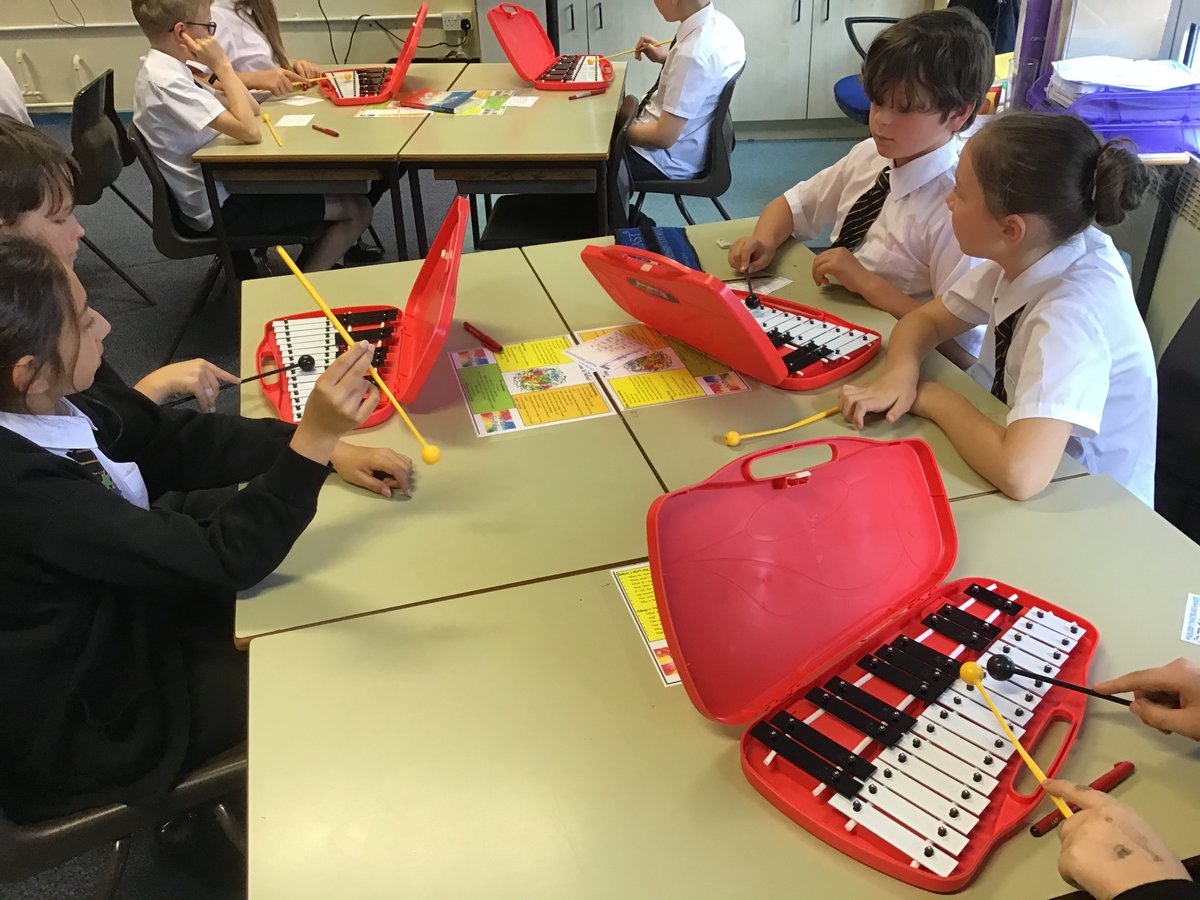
(12, 103)
(177, 115)
(669, 135)
(926, 77)
(1065, 347)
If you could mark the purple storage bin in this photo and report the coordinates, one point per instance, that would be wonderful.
(1157, 121)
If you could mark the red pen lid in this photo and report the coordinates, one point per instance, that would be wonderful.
(429, 311)
(523, 39)
(762, 582)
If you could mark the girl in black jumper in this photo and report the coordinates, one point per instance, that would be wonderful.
(113, 678)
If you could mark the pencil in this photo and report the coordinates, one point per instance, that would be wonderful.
(635, 49)
(266, 117)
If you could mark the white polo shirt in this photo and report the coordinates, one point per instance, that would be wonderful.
(11, 102)
(75, 431)
(1079, 353)
(912, 242)
(241, 40)
(708, 51)
(173, 113)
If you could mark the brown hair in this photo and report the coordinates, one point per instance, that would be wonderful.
(35, 309)
(158, 17)
(1055, 167)
(263, 15)
(944, 60)
(33, 170)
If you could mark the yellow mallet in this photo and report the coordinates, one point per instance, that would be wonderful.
(429, 453)
(972, 673)
(733, 438)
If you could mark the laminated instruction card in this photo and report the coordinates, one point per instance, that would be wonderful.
(525, 386)
(637, 588)
(669, 370)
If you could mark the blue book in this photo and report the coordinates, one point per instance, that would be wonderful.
(672, 243)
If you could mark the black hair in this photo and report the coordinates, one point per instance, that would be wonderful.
(944, 60)
(1055, 167)
(33, 170)
(36, 307)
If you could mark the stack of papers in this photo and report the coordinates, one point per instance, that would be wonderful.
(608, 352)
(1075, 78)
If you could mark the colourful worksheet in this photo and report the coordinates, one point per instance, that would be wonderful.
(525, 386)
(638, 590)
(671, 371)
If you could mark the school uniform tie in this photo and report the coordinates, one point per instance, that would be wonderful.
(864, 212)
(95, 470)
(654, 87)
(1004, 335)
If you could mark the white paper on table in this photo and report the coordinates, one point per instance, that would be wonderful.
(293, 121)
(1133, 74)
(300, 100)
(608, 351)
(521, 101)
(390, 112)
(762, 285)
(1191, 620)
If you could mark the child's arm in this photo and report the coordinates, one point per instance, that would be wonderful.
(278, 81)
(1166, 698)
(1108, 849)
(646, 47)
(197, 377)
(660, 134)
(1020, 459)
(774, 226)
(239, 121)
(843, 265)
(911, 340)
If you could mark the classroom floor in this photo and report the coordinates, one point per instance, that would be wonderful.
(208, 871)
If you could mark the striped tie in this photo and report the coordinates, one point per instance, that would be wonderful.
(95, 470)
(654, 87)
(864, 212)
(1004, 335)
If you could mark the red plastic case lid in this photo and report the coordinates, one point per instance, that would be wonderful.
(429, 311)
(523, 39)
(395, 78)
(761, 583)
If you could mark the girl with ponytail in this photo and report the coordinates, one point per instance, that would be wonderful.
(1065, 347)
(248, 31)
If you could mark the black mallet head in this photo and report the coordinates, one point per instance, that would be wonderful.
(1001, 667)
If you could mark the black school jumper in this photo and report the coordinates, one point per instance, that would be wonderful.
(94, 700)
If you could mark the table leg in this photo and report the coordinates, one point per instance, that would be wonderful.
(233, 284)
(397, 212)
(418, 206)
(602, 198)
(474, 219)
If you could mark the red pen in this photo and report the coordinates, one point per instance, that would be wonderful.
(328, 131)
(1106, 782)
(488, 341)
(587, 94)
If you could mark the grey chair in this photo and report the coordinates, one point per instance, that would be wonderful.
(102, 149)
(717, 175)
(26, 850)
(175, 239)
(521, 220)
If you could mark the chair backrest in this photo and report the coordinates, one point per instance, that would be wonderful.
(173, 238)
(717, 173)
(1177, 483)
(95, 141)
(618, 207)
(854, 21)
(128, 154)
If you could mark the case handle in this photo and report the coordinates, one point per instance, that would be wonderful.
(739, 471)
(634, 263)
(509, 9)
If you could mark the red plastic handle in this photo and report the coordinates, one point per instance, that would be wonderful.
(509, 10)
(738, 471)
(267, 350)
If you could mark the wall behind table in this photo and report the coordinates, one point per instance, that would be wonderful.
(58, 59)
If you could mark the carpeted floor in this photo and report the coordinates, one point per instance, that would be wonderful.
(209, 871)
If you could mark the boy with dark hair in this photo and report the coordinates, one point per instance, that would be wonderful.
(37, 200)
(177, 115)
(926, 77)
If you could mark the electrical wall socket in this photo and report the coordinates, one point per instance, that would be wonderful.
(453, 21)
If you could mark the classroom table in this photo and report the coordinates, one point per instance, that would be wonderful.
(309, 161)
(684, 441)
(558, 145)
(520, 743)
(494, 511)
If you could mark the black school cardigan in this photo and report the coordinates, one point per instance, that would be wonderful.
(93, 697)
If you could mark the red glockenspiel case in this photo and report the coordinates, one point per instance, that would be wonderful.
(811, 605)
(407, 341)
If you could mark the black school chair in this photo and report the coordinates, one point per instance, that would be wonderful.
(717, 175)
(848, 92)
(175, 239)
(521, 220)
(1176, 471)
(26, 850)
(102, 149)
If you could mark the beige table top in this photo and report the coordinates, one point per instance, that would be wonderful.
(685, 441)
(555, 129)
(359, 140)
(520, 743)
(495, 511)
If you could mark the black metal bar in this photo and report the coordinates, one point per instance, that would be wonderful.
(970, 622)
(885, 712)
(991, 598)
(887, 734)
(805, 759)
(955, 632)
(823, 745)
(906, 681)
